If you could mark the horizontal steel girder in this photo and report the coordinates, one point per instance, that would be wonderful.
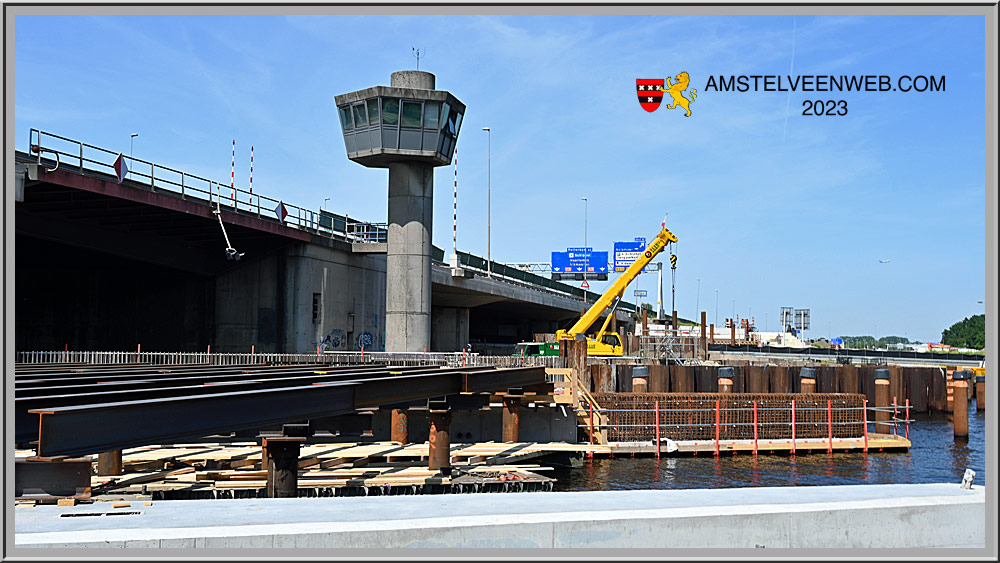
(84, 429)
(26, 422)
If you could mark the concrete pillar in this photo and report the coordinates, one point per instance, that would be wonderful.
(408, 257)
(960, 416)
(439, 442)
(726, 375)
(882, 401)
(283, 466)
(109, 463)
(399, 427)
(449, 328)
(981, 392)
(807, 380)
(711, 333)
(511, 419)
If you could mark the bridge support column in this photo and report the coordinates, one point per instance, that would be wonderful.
(408, 258)
(439, 442)
(511, 419)
(399, 427)
(449, 328)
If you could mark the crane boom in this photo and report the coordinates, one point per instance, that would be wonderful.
(616, 290)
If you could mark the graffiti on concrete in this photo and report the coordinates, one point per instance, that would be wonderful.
(365, 340)
(334, 341)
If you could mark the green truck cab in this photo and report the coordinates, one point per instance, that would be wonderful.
(537, 349)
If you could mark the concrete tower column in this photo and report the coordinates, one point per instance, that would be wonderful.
(408, 257)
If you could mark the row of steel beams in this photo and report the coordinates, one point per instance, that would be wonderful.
(26, 422)
(102, 426)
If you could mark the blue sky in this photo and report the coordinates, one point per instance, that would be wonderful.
(772, 208)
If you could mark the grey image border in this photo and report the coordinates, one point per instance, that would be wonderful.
(988, 11)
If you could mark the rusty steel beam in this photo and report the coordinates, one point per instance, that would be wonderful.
(91, 428)
(26, 422)
(39, 479)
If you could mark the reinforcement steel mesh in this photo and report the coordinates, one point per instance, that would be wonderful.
(632, 417)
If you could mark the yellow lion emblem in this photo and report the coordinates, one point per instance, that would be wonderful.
(675, 89)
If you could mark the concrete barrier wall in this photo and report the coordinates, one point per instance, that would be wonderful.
(854, 516)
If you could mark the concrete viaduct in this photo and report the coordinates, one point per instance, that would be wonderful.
(103, 264)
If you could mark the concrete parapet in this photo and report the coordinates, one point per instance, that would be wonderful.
(850, 516)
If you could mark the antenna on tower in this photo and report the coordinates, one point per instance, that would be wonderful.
(417, 53)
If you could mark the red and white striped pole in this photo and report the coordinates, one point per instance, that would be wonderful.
(232, 180)
(454, 236)
(251, 175)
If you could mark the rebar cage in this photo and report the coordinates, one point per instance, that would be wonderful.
(633, 417)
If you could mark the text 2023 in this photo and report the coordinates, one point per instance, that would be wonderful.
(824, 107)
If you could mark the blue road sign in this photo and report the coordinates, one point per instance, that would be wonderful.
(837, 341)
(627, 252)
(580, 260)
(639, 293)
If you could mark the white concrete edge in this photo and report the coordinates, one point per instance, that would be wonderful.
(975, 496)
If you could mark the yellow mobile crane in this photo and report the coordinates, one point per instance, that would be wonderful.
(608, 343)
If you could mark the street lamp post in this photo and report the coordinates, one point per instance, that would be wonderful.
(716, 307)
(325, 199)
(697, 299)
(489, 156)
(586, 253)
(131, 147)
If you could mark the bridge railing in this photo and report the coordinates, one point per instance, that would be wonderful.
(447, 359)
(85, 158)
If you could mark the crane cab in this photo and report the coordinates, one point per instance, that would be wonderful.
(610, 344)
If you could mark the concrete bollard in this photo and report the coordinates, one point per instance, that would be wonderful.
(399, 427)
(511, 419)
(726, 379)
(109, 463)
(882, 401)
(960, 415)
(807, 380)
(981, 392)
(439, 442)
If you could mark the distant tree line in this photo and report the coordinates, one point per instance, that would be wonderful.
(969, 332)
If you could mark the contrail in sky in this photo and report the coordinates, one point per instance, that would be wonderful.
(791, 68)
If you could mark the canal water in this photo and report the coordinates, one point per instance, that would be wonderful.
(934, 457)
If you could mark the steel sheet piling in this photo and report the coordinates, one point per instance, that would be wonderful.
(755, 428)
(829, 426)
(793, 426)
(656, 408)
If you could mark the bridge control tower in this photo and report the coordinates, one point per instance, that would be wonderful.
(409, 128)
